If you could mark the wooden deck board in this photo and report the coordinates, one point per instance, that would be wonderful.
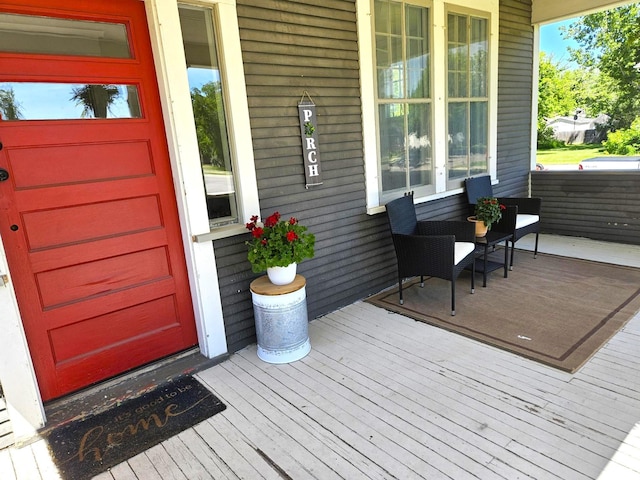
(476, 394)
(24, 462)
(6, 465)
(381, 396)
(351, 425)
(296, 423)
(120, 472)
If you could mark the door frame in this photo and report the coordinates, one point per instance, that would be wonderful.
(20, 386)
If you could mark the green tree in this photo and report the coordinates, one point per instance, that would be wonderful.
(594, 92)
(624, 141)
(610, 43)
(95, 99)
(9, 107)
(209, 118)
(556, 91)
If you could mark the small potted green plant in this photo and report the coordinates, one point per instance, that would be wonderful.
(277, 246)
(488, 210)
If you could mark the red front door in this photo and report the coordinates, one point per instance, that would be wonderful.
(88, 215)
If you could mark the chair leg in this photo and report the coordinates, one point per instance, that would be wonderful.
(535, 251)
(453, 297)
(421, 281)
(400, 290)
(513, 249)
(473, 276)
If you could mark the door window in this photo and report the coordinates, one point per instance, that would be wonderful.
(60, 36)
(67, 101)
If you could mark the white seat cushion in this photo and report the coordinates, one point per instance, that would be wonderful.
(525, 219)
(461, 250)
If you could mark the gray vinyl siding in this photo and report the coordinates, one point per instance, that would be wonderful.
(289, 47)
(598, 205)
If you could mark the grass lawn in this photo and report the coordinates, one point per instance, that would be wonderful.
(569, 155)
(213, 170)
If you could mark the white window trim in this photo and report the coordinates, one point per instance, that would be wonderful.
(238, 120)
(366, 37)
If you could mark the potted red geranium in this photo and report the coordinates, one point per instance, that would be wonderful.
(277, 246)
(488, 210)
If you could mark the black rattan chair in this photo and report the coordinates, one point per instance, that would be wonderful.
(436, 248)
(528, 210)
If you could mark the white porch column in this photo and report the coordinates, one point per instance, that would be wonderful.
(17, 376)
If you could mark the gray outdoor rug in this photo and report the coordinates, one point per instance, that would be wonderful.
(556, 310)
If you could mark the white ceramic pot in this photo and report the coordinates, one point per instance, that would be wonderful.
(282, 275)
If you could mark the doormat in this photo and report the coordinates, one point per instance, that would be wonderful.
(86, 447)
(556, 310)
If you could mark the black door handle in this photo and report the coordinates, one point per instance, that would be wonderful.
(4, 175)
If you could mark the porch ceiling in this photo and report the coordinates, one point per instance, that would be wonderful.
(549, 11)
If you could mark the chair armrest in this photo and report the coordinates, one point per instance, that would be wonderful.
(507, 223)
(525, 204)
(462, 231)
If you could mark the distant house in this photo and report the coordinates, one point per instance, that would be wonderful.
(579, 129)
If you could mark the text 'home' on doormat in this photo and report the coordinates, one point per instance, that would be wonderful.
(89, 446)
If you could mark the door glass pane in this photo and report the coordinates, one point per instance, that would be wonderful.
(458, 140)
(59, 36)
(479, 119)
(416, 21)
(389, 61)
(205, 84)
(405, 145)
(457, 54)
(392, 151)
(67, 101)
(419, 144)
(479, 51)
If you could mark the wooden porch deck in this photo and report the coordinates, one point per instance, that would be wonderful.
(381, 396)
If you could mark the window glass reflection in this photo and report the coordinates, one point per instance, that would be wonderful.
(67, 101)
(60, 36)
(205, 84)
(468, 87)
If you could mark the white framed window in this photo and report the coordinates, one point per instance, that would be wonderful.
(211, 42)
(467, 96)
(403, 97)
(429, 95)
(207, 87)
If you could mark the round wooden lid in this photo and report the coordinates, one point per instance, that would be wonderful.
(262, 286)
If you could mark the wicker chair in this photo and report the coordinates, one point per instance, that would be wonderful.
(528, 210)
(437, 248)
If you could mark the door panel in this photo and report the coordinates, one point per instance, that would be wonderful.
(102, 161)
(88, 215)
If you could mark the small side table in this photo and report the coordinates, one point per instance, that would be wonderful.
(282, 325)
(492, 239)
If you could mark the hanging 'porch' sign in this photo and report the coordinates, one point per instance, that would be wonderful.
(309, 134)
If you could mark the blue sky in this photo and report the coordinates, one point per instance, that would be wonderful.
(552, 43)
